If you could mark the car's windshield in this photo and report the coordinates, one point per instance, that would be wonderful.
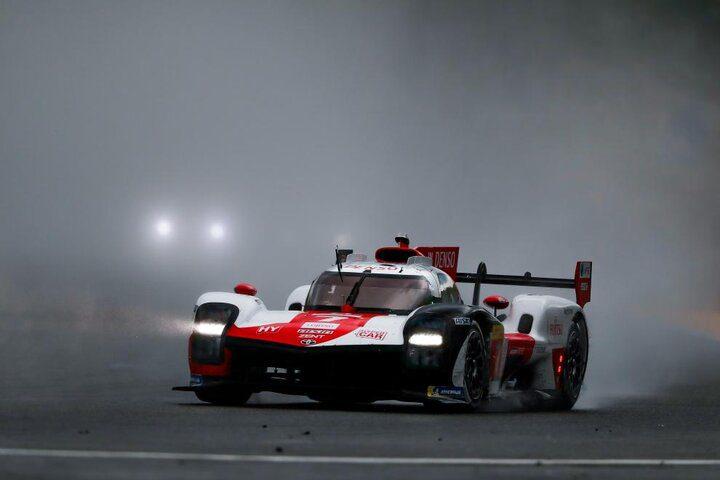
(392, 293)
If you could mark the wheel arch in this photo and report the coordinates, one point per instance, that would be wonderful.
(453, 320)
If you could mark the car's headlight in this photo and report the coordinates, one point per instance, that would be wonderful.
(211, 320)
(207, 328)
(426, 339)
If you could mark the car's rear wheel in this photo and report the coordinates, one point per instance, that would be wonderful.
(574, 363)
(224, 396)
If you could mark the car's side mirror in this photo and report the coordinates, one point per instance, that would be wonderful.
(496, 302)
(245, 289)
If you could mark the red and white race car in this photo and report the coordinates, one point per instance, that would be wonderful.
(394, 328)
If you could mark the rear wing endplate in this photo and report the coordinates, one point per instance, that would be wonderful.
(581, 283)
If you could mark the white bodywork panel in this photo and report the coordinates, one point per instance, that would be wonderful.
(552, 317)
(247, 304)
(299, 295)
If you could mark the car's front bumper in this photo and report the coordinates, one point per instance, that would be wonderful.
(365, 371)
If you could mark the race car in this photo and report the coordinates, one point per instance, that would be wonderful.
(394, 328)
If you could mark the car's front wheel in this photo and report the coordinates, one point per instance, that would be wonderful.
(477, 369)
(474, 360)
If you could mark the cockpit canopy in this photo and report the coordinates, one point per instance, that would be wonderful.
(399, 294)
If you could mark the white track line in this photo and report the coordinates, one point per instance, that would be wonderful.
(500, 462)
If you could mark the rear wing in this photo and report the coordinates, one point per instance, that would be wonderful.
(581, 283)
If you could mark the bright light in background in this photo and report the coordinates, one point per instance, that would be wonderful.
(163, 228)
(217, 231)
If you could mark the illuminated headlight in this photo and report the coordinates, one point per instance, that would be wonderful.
(207, 328)
(426, 339)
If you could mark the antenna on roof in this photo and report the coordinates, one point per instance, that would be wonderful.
(338, 262)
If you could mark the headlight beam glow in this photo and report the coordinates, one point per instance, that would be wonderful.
(211, 329)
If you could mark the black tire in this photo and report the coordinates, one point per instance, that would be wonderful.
(476, 374)
(574, 363)
(224, 396)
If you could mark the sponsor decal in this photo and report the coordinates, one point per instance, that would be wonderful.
(585, 269)
(555, 329)
(314, 331)
(444, 258)
(269, 328)
(457, 393)
(497, 341)
(332, 317)
(320, 325)
(308, 341)
(462, 321)
(372, 334)
(497, 333)
(277, 373)
(310, 335)
(523, 351)
(275, 370)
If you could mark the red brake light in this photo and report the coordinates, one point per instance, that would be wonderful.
(558, 356)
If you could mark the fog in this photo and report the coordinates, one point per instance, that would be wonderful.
(530, 134)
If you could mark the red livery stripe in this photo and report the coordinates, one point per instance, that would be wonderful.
(305, 329)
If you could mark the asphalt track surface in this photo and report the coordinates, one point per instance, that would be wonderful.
(86, 406)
